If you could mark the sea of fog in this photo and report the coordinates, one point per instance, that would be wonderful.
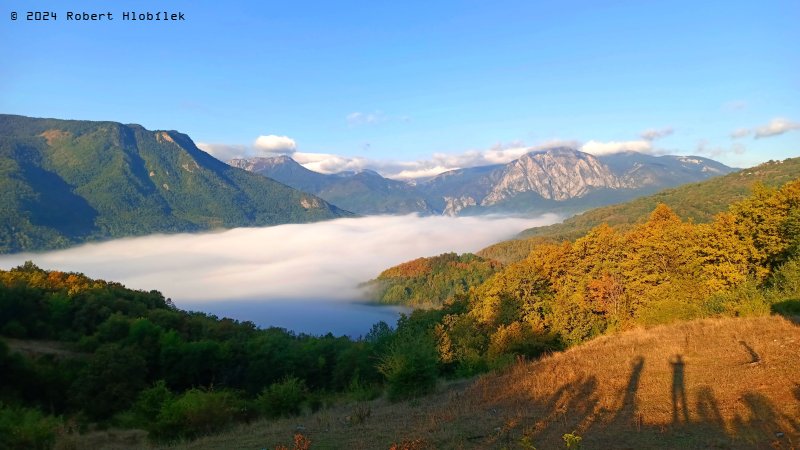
(303, 277)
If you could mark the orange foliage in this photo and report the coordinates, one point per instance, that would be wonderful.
(414, 268)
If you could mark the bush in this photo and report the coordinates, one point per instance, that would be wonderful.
(196, 413)
(283, 399)
(150, 402)
(410, 367)
(14, 329)
(24, 428)
(785, 282)
(667, 311)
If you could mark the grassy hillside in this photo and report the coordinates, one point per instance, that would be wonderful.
(696, 201)
(715, 383)
(64, 182)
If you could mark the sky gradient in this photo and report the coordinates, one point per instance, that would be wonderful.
(412, 88)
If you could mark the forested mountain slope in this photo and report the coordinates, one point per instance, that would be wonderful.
(64, 182)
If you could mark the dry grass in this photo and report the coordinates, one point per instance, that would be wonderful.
(726, 383)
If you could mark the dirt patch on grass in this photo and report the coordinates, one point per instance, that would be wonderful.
(36, 348)
(55, 135)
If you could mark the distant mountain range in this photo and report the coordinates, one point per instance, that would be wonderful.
(557, 179)
(64, 182)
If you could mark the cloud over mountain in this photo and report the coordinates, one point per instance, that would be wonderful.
(607, 148)
(272, 144)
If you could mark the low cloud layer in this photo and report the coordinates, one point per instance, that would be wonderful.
(607, 148)
(322, 261)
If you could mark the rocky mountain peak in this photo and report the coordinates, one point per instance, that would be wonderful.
(559, 173)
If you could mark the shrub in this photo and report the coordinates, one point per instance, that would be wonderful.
(151, 401)
(786, 280)
(283, 399)
(14, 329)
(572, 440)
(24, 428)
(196, 413)
(410, 367)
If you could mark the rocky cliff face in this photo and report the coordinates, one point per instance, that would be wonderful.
(555, 174)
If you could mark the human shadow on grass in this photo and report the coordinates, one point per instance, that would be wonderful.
(576, 406)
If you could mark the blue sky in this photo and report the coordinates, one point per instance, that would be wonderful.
(412, 88)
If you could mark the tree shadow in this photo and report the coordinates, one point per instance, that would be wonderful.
(763, 422)
(788, 308)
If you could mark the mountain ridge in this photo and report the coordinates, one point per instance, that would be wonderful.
(560, 178)
(71, 181)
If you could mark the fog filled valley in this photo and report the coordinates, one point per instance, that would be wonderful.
(304, 277)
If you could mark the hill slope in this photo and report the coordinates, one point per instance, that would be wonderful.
(364, 192)
(64, 181)
(697, 201)
(717, 383)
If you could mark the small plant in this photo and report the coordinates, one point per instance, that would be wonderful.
(417, 444)
(527, 443)
(360, 414)
(300, 443)
(572, 440)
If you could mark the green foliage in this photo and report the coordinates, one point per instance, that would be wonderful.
(151, 401)
(572, 440)
(410, 367)
(26, 429)
(111, 381)
(195, 413)
(131, 358)
(430, 282)
(64, 182)
(785, 281)
(283, 399)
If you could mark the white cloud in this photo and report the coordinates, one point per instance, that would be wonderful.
(740, 133)
(329, 163)
(775, 127)
(704, 148)
(654, 134)
(268, 145)
(360, 118)
(424, 172)
(272, 144)
(606, 148)
(322, 261)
